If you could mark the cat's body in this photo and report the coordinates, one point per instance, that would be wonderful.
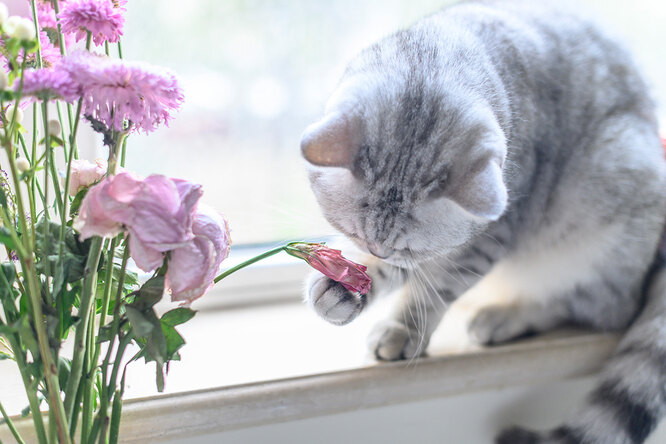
(504, 156)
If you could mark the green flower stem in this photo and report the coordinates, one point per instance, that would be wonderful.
(50, 368)
(47, 263)
(116, 413)
(108, 280)
(35, 20)
(10, 424)
(50, 160)
(120, 50)
(34, 293)
(33, 402)
(87, 296)
(234, 269)
(33, 182)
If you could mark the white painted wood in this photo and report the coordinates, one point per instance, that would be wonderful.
(543, 360)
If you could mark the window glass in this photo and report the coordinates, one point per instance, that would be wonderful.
(257, 72)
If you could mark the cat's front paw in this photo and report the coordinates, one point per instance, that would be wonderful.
(392, 341)
(332, 301)
(496, 324)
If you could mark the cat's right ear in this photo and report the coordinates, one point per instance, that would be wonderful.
(333, 141)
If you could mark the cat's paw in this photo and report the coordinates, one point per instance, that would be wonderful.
(496, 324)
(392, 341)
(332, 301)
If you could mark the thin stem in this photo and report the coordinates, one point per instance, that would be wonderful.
(47, 262)
(87, 293)
(35, 20)
(108, 280)
(120, 50)
(234, 269)
(33, 402)
(116, 413)
(10, 424)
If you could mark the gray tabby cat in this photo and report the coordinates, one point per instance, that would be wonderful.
(504, 156)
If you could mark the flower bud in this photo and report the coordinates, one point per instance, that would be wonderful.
(24, 30)
(10, 112)
(4, 80)
(54, 127)
(9, 25)
(4, 13)
(22, 164)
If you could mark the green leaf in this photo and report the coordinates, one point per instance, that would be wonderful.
(177, 316)
(149, 294)
(76, 203)
(174, 341)
(141, 326)
(64, 369)
(47, 249)
(4, 356)
(6, 238)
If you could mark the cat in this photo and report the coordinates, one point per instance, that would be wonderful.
(505, 156)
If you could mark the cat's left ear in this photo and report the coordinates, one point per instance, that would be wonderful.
(482, 191)
(333, 141)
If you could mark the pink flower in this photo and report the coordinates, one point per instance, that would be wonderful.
(331, 263)
(45, 13)
(193, 267)
(114, 91)
(102, 18)
(85, 173)
(48, 84)
(157, 213)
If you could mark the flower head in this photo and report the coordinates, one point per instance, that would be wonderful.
(114, 91)
(157, 212)
(331, 263)
(48, 83)
(102, 18)
(193, 266)
(85, 173)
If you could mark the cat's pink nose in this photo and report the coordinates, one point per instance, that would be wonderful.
(379, 250)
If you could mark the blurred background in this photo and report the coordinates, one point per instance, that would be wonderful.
(257, 72)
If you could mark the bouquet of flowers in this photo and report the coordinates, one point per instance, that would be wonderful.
(70, 232)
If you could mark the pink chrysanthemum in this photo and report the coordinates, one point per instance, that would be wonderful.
(45, 13)
(114, 90)
(103, 18)
(48, 84)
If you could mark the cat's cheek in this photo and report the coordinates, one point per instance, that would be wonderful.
(442, 226)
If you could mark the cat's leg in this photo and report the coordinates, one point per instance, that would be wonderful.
(339, 306)
(584, 278)
(428, 292)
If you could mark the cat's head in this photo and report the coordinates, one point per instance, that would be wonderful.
(406, 172)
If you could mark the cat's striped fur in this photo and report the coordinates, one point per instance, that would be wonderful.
(503, 158)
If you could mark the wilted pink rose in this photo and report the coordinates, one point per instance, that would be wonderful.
(156, 211)
(85, 173)
(193, 266)
(330, 262)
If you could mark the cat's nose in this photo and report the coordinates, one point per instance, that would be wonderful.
(379, 250)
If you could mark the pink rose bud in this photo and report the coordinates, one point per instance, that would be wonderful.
(85, 173)
(331, 263)
(193, 266)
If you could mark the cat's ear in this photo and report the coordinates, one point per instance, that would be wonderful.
(482, 191)
(333, 141)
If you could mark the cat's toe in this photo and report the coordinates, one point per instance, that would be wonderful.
(495, 324)
(333, 302)
(392, 341)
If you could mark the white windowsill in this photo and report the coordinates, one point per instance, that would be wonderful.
(266, 364)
